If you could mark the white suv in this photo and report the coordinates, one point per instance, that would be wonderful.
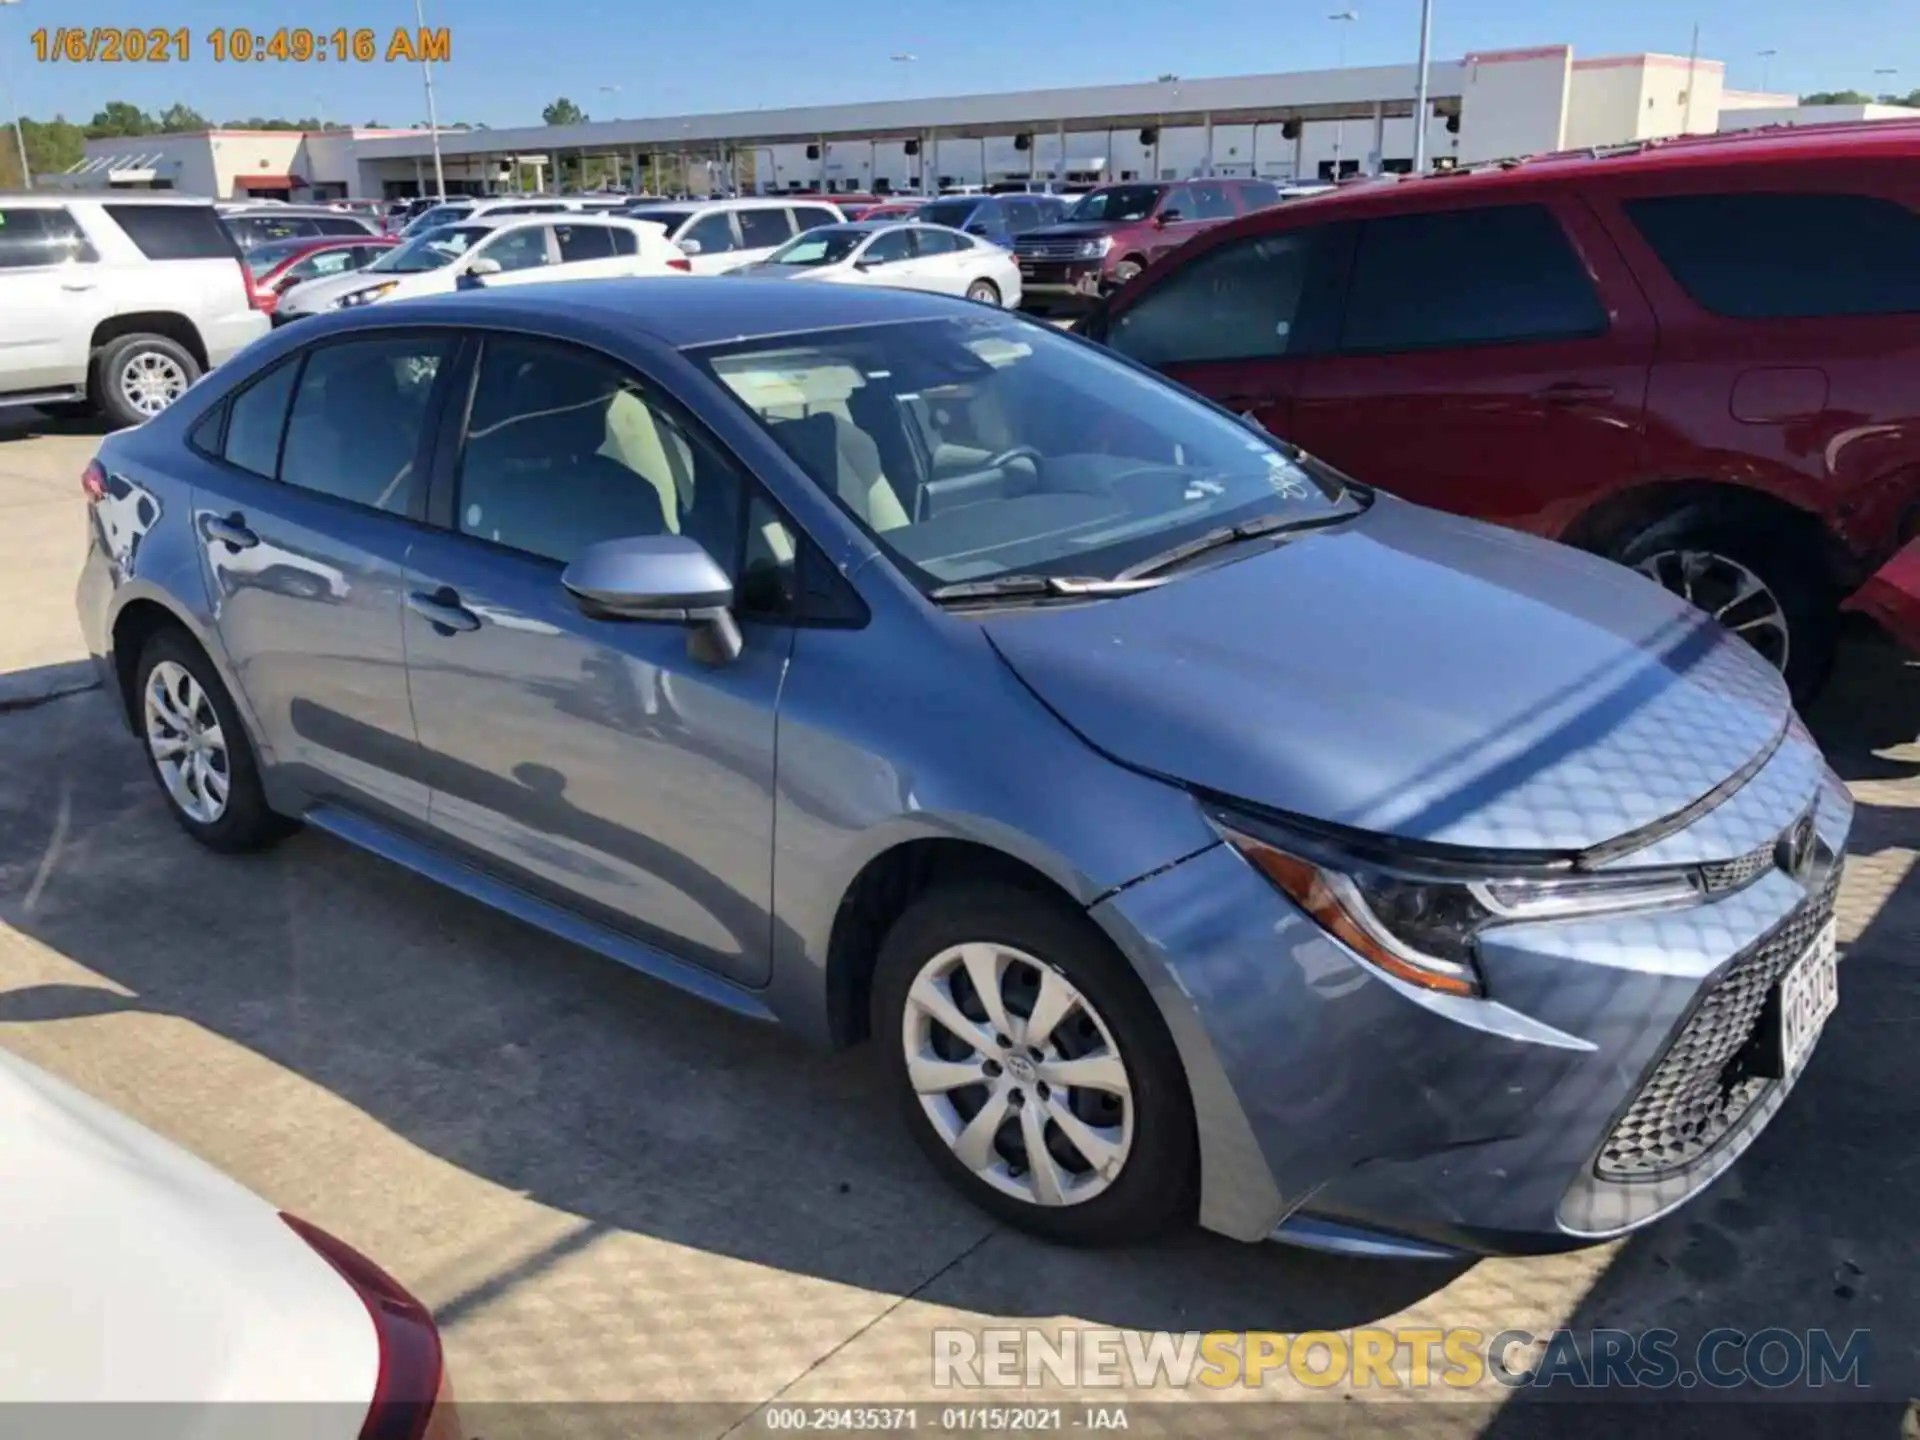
(117, 303)
(722, 235)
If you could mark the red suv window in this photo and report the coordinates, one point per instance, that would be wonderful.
(1778, 256)
(1467, 277)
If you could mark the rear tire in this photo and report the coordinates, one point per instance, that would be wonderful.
(984, 292)
(1713, 555)
(135, 377)
(1097, 1079)
(198, 750)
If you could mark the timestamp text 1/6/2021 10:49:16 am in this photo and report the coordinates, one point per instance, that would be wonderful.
(112, 44)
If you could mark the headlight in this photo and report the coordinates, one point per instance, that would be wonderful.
(1419, 921)
(1094, 249)
(364, 297)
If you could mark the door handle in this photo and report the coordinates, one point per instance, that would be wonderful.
(1574, 392)
(78, 284)
(231, 532)
(443, 610)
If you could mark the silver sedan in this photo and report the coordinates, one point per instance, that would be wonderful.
(902, 255)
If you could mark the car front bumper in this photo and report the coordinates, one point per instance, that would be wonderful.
(1342, 1108)
(1061, 280)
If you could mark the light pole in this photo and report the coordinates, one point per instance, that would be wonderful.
(1766, 65)
(1420, 90)
(1342, 18)
(905, 58)
(433, 114)
(19, 131)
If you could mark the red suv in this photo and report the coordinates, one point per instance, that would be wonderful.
(1113, 233)
(1700, 358)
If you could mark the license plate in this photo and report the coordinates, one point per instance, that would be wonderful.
(1808, 994)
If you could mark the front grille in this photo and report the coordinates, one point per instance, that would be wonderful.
(1701, 1089)
(1742, 871)
(1041, 249)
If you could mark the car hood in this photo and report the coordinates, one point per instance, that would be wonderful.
(1078, 229)
(312, 297)
(135, 1272)
(1414, 675)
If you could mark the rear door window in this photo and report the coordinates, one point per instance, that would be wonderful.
(40, 237)
(256, 417)
(1257, 195)
(763, 229)
(354, 428)
(1782, 256)
(1467, 277)
(174, 232)
(584, 242)
(338, 225)
(812, 217)
(522, 248)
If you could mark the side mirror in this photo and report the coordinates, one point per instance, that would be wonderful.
(483, 266)
(666, 579)
(689, 247)
(1165, 218)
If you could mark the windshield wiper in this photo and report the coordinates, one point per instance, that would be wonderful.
(1002, 586)
(1252, 529)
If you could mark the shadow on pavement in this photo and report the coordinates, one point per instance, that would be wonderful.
(26, 423)
(551, 1072)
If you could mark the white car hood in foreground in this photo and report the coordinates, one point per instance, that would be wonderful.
(132, 1272)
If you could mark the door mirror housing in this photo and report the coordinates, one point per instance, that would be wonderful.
(689, 247)
(483, 266)
(1165, 218)
(474, 277)
(664, 579)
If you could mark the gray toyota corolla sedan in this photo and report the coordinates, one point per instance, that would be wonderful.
(1193, 830)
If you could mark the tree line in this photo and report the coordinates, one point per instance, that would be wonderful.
(1860, 97)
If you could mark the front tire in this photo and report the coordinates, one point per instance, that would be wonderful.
(135, 377)
(198, 750)
(984, 292)
(1758, 581)
(1012, 1029)
(1124, 273)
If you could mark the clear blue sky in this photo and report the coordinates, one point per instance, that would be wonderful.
(510, 57)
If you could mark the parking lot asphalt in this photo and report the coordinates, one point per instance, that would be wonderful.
(609, 1192)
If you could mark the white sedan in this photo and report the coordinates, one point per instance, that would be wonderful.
(137, 1281)
(903, 255)
(491, 252)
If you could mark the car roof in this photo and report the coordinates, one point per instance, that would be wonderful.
(758, 202)
(678, 313)
(544, 217)
(50, 198)
(1739, 149)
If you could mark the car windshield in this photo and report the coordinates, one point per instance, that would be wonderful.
(431, 251)
(826, 245)
(671, 219)
(1117, 202)
(951, 213)
(436, 216)
(973, 448)
(263, 258)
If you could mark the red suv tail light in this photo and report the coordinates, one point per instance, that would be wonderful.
(412, 1399)
(679, 262)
